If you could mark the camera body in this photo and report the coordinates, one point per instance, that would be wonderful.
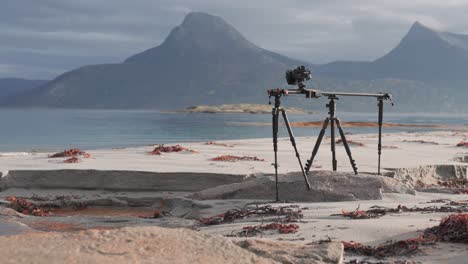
(298, 76)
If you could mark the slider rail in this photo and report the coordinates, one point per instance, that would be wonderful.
(310, 93)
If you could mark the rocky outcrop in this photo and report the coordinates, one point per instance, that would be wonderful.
(115, 180)
(326, 187)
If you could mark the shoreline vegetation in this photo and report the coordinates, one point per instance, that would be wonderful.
(236, 108)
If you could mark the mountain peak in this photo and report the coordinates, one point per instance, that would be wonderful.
(200, 18)
(418, 28)
(199, 34)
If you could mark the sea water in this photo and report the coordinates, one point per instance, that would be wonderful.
(52, 130)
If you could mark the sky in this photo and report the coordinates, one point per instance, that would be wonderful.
(40, 39)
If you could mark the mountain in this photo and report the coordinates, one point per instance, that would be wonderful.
(10, 87)
(203, 60)
(423, 54)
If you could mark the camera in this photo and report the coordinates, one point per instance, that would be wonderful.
(298, 76)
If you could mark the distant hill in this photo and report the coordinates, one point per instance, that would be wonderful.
(207, 61)
(423, 54)
(10, 87)
(204, 60)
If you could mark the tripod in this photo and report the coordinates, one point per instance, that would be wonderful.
(275, 121)
(332, 119)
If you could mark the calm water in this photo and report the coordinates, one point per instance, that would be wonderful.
(25, 130)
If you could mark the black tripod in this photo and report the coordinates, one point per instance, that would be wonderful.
(276, 112)
(332, 119)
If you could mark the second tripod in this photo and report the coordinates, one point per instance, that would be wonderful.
(333, 120)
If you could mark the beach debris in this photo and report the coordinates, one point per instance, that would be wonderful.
(213, 143)
(289, 213)
(70, 153)
(359, 214)
(156, 214)
(458, 185)
(232, 158)
(398, 248)
(351, 143)
(453, 228)
(421, 142)
(377, 211)
(23, 206)
(390, 147)
(362, 261)
(463, 144)
(72, 160)
(439, 201)
(251, 231)
(455, 185)
(169, 149)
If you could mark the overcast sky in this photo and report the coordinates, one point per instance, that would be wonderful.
(44, 38)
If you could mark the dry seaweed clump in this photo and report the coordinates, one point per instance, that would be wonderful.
(170, 149)
(290, 214)
(23, 206)
(360, 214)
(463, 144)
(398, 248)
(70, 153)
(231, 158)
(213, 143)
(421, 142)
(72, 160)
(459, 186)
(453, 228)
(251, 231)
(376, 211)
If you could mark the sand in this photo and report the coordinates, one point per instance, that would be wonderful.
(408, 153)
(191, 185)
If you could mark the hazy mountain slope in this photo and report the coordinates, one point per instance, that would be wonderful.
(15, 86)
(207, 61)
(423, 54)
(204, 60)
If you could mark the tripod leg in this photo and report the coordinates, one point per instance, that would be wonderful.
(333, 148)
(317, 145)
(379, 147)
(345, 144)
(293, 142)
(275, 113)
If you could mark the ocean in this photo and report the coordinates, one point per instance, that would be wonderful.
(53, 130)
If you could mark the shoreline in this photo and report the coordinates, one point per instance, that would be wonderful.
(110, 158)
(313, 124)
(125, 190)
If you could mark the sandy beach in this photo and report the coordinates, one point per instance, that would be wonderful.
(130, 188)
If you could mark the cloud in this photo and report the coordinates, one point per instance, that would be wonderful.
(63, 34)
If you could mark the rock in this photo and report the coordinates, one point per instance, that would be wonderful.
(115, 180)
(430, 175)
(326, 186)
(390, 185)
(295, 252)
